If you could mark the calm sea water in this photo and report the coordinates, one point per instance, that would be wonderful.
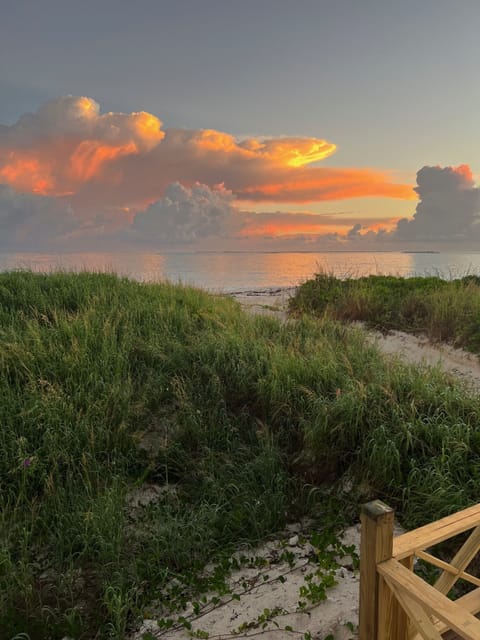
(242, 271)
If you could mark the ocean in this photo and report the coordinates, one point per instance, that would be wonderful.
(228, 272)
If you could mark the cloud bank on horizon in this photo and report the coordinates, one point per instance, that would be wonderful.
(73, 177)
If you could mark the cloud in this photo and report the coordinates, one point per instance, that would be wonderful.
(354, 232)
(447, 214)
(190, 215)
(67, 142)
(277, 224)
(74, 176)
(209, 218)
(449, 207)
(30, 221)
(323, 183)
(69, 149)
(185, 215)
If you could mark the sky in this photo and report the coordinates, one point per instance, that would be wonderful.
(223, 124)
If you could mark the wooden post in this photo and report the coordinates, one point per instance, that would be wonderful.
(393, 622)
(403, 623)
(376, 546)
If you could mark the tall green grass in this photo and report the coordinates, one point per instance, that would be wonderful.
(443, 310)
(109, 386)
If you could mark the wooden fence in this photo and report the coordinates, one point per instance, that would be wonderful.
(395, 603)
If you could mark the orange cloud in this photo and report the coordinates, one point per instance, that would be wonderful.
(388, 224)
(68, 148)
(67, 143)
(89, 157)
(464, 171)
(289, 224)
(313, 184)
(273, 230)
(293, 152)
(26, 173)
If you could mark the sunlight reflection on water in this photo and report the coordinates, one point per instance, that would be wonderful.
(240, 271)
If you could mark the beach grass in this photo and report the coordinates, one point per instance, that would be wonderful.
(114, 390)
(443, 310)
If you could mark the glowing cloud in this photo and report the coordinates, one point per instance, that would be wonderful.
(293, 152)
(26, 173)
(280, 224)
(312, 184)
(97, 161)
(88, 158)
(67, 143)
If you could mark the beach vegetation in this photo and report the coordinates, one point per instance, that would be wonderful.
(148, 430)
(443, 310)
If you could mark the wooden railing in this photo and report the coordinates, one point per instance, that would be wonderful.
(395, 603)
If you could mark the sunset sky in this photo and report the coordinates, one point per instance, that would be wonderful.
(223, 124)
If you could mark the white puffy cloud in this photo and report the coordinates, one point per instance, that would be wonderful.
(185, 215)
(449, 207)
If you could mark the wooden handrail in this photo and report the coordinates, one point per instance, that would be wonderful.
(395, 603)
(445, 566)
(435, 532)
(462, 559)
(438, 605)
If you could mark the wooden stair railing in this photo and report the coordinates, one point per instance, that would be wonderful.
(395, 603)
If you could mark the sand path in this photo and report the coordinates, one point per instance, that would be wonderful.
(409, 348)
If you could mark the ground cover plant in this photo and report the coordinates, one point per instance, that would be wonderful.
(443, 310)
(111, 388)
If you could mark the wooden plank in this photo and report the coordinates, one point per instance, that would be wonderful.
(404, 623)
(435, 532)
(469, 578)
(393, 622)
(441, 564)
(470, 602)
(387, 602)
(417, 615)
(375, 546)
(453, 615)
(447, 567)
(461, 560)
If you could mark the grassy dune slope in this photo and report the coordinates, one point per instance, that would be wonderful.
(244, 416)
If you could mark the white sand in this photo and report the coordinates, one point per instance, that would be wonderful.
(418, 350)
(271, 302)
(277, 586)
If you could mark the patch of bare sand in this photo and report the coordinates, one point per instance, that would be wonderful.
(268, 302)
(419, 350)
(276, 588)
